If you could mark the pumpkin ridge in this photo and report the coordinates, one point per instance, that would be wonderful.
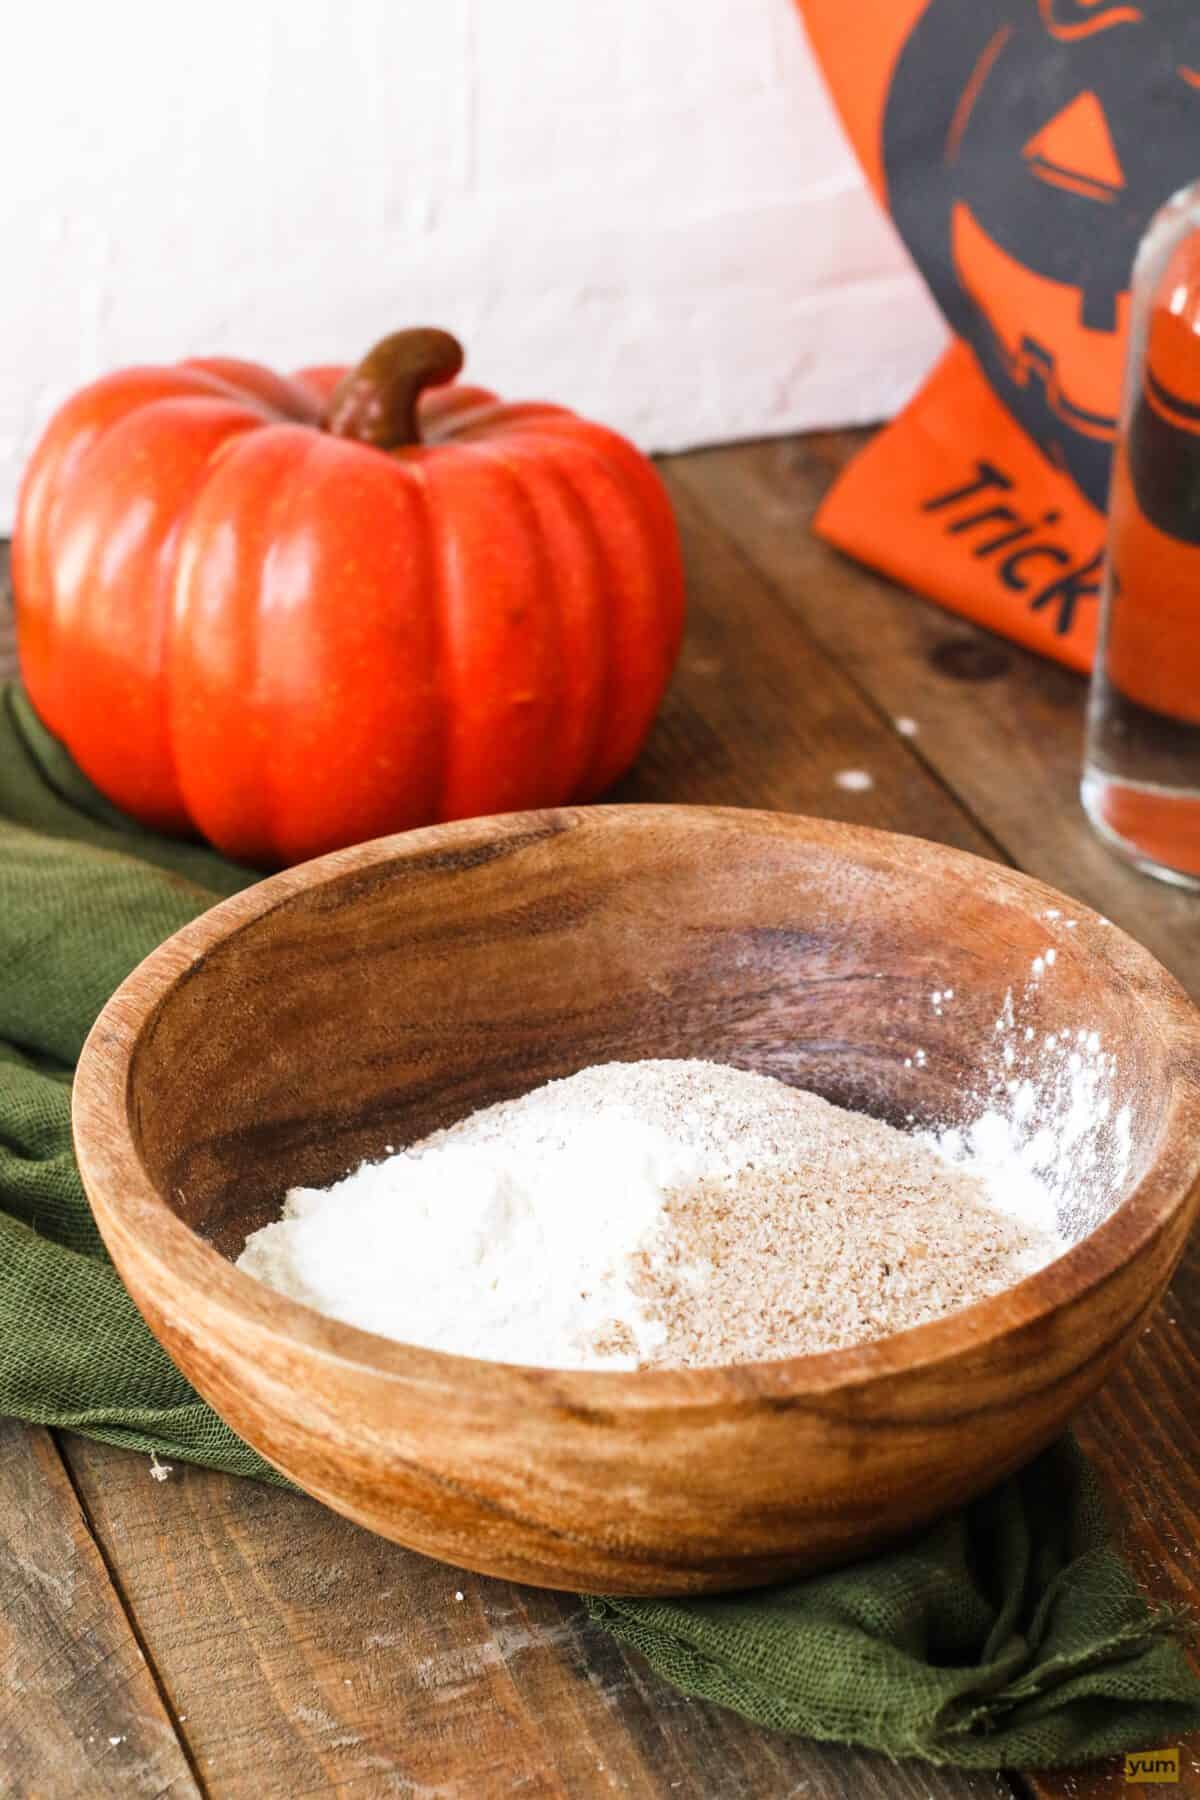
(414, 470)
(592, 781)
(614, 459)
(528, 476)
(291, 404)
(167, 565)
(287, 517)
(606, 686)
(476, 784)
(508, 418)
(282, 504)
(438, 408)
(43, 494)
(154, 577)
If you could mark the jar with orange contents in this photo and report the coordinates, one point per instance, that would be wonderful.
(1141, 780)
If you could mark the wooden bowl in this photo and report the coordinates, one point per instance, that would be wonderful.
(363, 999)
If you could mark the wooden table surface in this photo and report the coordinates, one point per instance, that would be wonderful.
(202, 1635)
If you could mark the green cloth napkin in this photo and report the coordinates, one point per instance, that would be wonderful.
(1009, 1636)
(84, 895)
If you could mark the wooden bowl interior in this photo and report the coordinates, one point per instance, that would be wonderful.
(375, 1005)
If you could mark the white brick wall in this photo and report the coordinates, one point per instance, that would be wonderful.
(642, 208)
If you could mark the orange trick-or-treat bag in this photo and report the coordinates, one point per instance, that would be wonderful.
(1021, 147)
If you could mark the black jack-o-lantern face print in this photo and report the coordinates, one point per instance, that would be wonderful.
(1026, 144)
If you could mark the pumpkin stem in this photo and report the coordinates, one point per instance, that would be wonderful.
(376, 401)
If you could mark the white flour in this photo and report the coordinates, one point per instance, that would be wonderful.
(470, 1247)
(661, 1212)
(1041, 1124)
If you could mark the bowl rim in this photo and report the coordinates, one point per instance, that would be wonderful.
(130, 1211)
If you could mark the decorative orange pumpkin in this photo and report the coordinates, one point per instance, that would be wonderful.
(290, 613)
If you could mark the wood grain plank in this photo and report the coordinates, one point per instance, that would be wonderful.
(307, 1657)
(759, 715)
(79, 1711)
(1000, 727)
(1142, 1434)
(1003, 729)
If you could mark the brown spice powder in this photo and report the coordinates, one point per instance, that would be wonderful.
(818, 1228)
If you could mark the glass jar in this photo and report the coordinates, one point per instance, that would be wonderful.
(1141, 778)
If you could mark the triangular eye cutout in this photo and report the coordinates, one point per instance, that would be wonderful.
(1075, 151)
